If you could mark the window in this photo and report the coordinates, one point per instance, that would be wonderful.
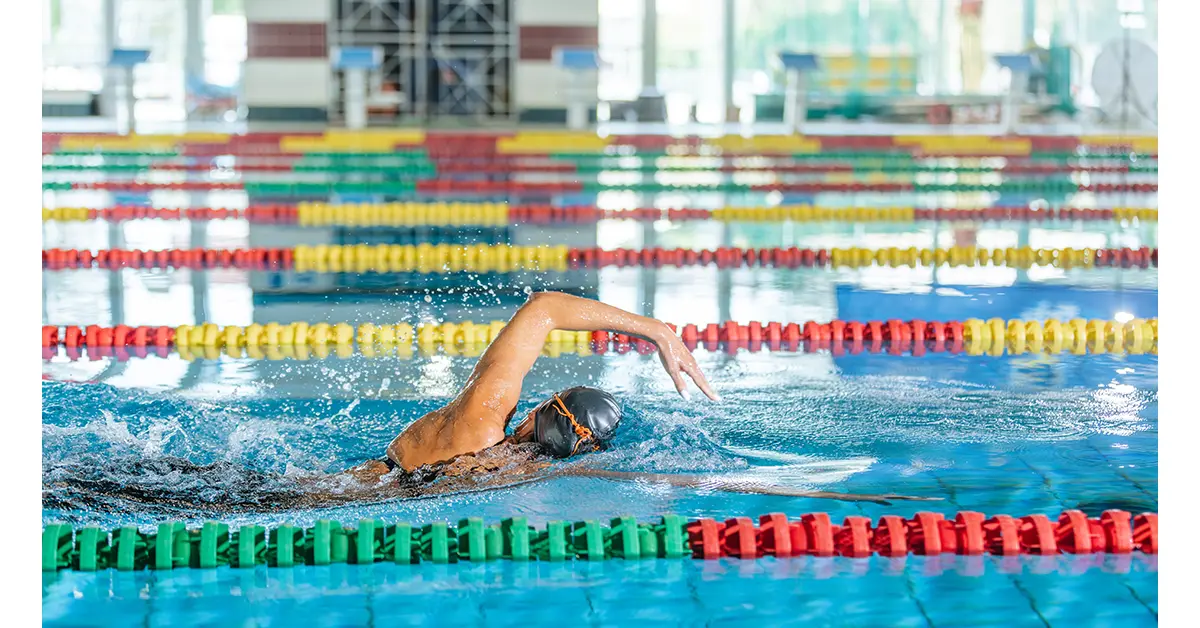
(159, 26)
(620, 50)
(74, 53)
(224, 49)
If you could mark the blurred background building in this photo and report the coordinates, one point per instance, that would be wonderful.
(456, 62)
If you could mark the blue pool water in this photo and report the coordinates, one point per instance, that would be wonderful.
(1082, 434)
(1012, 435)
(792, 592)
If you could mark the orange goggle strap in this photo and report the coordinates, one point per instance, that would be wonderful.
(582, 432)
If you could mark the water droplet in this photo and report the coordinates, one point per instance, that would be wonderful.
(428, 299)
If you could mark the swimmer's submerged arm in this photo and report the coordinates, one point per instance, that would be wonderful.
(718, 484)
(495, 384)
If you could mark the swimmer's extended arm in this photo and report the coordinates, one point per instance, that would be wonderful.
(495, 384)
(718, 484)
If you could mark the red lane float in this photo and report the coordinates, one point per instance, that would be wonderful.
(194, 259)
(925, 534)
(897, 337)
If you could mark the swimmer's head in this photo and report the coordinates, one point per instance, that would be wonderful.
(576, 420)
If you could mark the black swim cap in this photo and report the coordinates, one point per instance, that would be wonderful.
(576, 419)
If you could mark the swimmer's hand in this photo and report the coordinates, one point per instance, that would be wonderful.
(678, 360)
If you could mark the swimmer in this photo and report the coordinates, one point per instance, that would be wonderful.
(463, 446)
(574, 421)
(464, 437)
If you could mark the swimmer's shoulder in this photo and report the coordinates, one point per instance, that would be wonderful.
(468, 428)
(440, 437)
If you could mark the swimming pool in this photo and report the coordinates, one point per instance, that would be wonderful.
(1014, 435)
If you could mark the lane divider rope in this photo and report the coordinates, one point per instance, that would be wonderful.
(455, 186)
(485, 258)
(503, 214)
(538, 142)
(458, 153)
(172, 545)
(220, 158)
(426, 167)
(973, 336)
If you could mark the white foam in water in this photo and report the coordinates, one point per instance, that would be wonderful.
(811, 473)
(112, 431)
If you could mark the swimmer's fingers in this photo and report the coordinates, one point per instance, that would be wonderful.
(680, 382)
(671, 364)
(693, 370)
(676, 359)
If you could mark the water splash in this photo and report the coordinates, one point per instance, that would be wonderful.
(848, 433)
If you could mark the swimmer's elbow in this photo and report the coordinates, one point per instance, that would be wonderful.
(543, 299)
(543, 304)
